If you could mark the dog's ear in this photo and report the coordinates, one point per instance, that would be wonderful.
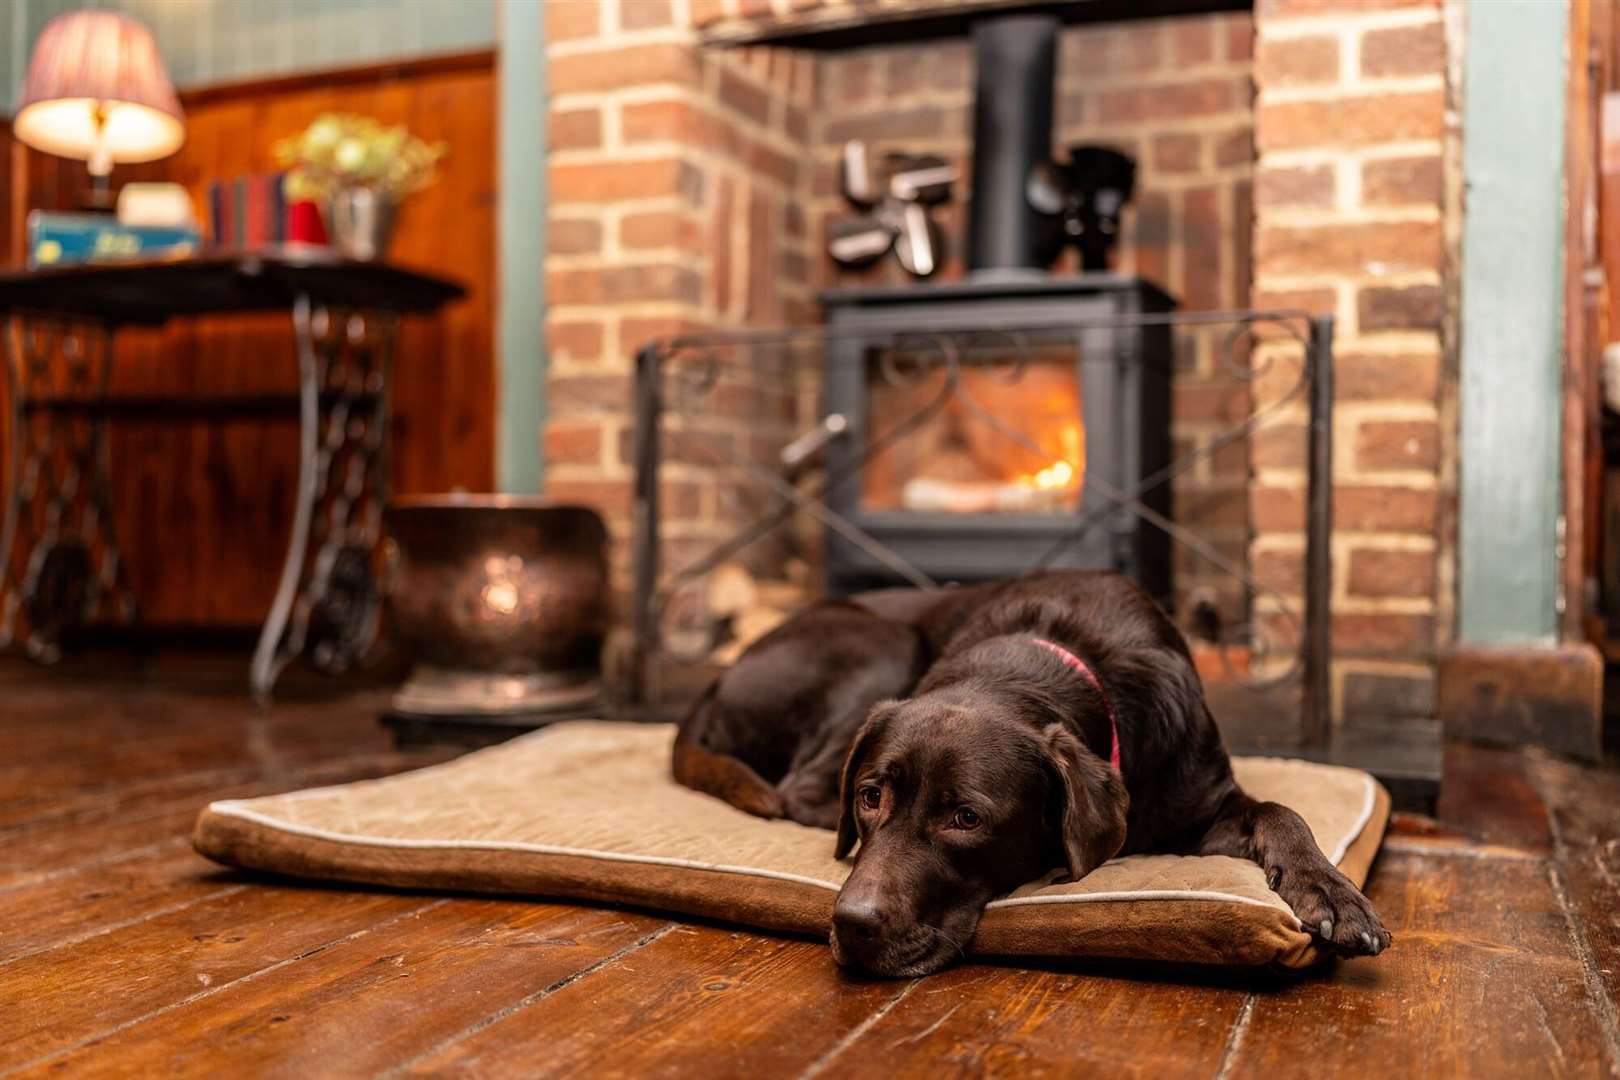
(1091, 822)
(876, 721)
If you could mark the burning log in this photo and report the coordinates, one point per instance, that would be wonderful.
(749, 608)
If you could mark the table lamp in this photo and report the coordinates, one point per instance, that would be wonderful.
(97, 91)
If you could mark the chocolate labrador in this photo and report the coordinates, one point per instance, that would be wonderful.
(973, 739)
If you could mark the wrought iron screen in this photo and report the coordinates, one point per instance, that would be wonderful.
(987, 438)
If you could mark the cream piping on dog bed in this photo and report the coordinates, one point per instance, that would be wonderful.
(233, 808)
(237, 809)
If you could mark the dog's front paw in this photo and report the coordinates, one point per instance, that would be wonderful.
(1332, 909)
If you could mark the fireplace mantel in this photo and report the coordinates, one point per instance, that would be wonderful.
(835, 24)
(988, 287)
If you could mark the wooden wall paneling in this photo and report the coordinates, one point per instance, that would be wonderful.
(1607, 544)
(1582, 451)
(247, 472)
(203, 506)
(443, 385)
(10, 198)
(6, 210)
(1609, 213)
(1591, 307)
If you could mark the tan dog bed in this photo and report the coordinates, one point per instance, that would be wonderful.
(589, 810)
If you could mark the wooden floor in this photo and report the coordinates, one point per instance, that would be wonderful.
(123, 952)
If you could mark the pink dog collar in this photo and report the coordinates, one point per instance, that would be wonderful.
(1090, 676)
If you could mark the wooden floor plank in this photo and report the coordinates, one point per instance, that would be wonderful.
(54, 1001)
(118, 739)
(1489, 795)
(371, 1002)
(983, 1020)
(78, 906)
(53, 807)
(1590, 881)
(1584, 803)
(122, 952)
(698, 1001)
(1586, 819)
(132, 798)
(1482, 980)
(108, 831)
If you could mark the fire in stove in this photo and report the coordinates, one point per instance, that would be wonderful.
(1010, 441)
(1052, 488)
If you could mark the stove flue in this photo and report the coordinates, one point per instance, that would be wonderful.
(1012, 137)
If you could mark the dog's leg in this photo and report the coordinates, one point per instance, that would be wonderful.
(1277, 838)
(809, 790)
(724, 777)
(702, 760)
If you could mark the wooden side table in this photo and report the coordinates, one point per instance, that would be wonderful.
(59, 560)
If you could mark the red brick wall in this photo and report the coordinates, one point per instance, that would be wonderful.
(1351, 219)
(676, 205)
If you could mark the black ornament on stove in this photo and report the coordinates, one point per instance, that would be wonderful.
(892, 210)
(1085, 195)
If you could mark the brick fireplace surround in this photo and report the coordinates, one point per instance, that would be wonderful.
(1298, 155)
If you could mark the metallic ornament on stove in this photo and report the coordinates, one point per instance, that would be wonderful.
(892, 210)
(1085, 195)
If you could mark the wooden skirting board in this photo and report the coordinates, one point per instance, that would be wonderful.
(1525, 695)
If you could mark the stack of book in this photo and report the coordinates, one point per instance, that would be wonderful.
(247, 211)
(56, 239)
(252, 211)
(243, 212)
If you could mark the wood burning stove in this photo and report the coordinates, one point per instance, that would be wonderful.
(1059, 398)
(1062, 398)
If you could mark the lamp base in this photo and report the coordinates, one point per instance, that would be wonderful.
(99, 199)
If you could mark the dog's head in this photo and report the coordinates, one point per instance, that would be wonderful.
(956, 797)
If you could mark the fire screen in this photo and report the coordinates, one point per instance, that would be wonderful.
(941, 455)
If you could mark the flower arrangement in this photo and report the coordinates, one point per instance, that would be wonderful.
(341, 150)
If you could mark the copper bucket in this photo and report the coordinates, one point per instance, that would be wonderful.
(501, 602)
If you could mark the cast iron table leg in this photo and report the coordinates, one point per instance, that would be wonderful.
(60, 566)
(326, 606)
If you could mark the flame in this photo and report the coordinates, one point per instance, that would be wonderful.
(1061, 474)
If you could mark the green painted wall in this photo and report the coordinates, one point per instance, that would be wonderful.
(521, 226)
(1512, 331)
(218, 41)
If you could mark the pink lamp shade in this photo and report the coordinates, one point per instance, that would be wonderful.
(97, 91)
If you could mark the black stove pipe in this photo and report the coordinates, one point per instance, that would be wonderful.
(1012, 132)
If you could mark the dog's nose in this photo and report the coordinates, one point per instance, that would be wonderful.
(858, 920)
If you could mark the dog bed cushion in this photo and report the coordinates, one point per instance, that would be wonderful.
(588, 810)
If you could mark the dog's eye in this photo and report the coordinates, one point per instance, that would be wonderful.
(871, 798)
(966, 819)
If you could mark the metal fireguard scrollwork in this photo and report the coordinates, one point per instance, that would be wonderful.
(678, 378)
(60, 566)
(327, 604)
